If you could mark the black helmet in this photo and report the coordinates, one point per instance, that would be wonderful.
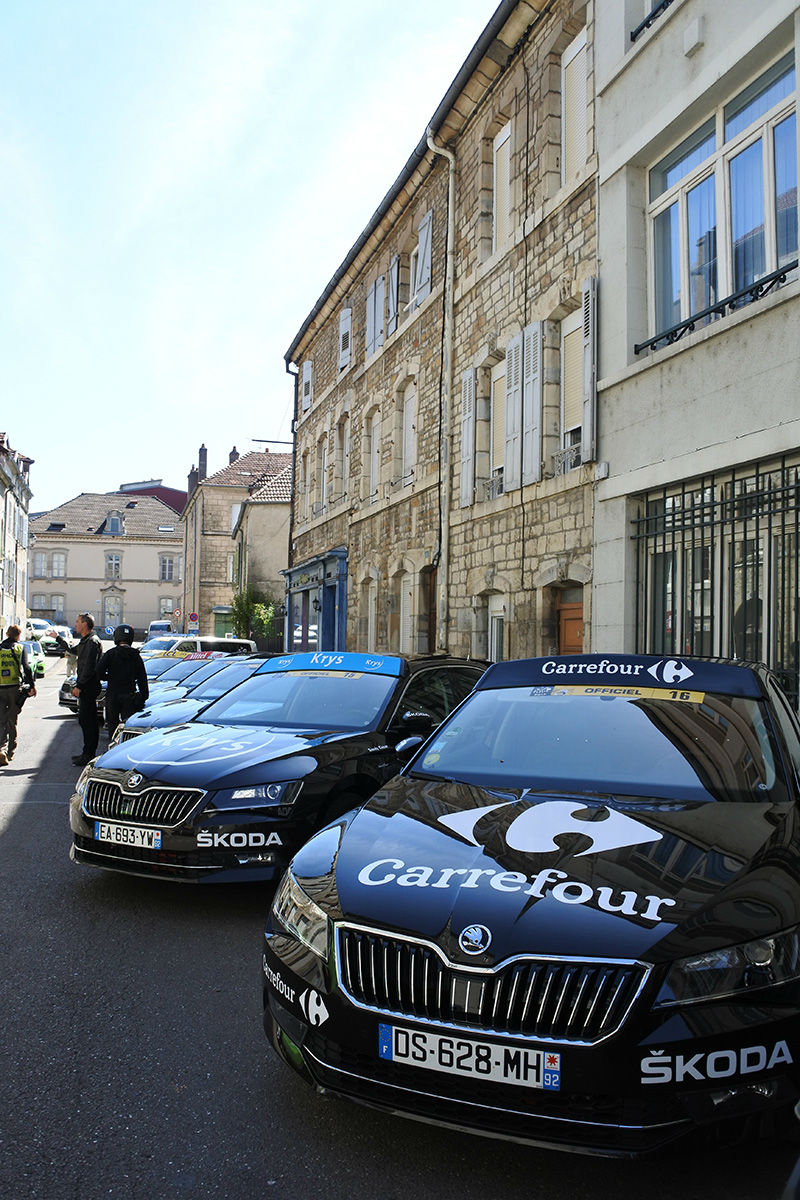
(123, 633)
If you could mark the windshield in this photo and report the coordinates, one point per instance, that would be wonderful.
(184, 667)
(161, 643)
(221, 679)
(304, 700)
(710, 748)
(154, 667)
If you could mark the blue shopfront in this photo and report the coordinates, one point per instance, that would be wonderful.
(316, 603)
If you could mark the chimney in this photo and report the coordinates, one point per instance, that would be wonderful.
(202, 463)
(234, 454)
(193, 477)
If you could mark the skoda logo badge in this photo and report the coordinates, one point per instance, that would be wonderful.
(134, 780)
(475, 939)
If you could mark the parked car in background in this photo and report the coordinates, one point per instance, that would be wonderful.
(34, 628)
(232, 793)
(158, 629)
(35, 657)
(573, 919)
(48, 639)
(183, 644)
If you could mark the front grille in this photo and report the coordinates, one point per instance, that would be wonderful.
(127, 734)
(541, 998)
(152, 805)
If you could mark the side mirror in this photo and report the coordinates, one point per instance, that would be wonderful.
(417, 722)
(408, 746)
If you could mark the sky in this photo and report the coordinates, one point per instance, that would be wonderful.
(180, 181)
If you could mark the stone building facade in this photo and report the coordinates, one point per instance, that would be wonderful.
(445, 400)
(15, 497)
(211, 515)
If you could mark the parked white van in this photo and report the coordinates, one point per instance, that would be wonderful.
(157, 628)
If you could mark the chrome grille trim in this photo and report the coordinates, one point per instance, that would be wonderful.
(164, 806)
(127, 734)
(538, 997)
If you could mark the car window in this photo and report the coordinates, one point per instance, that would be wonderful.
(712, 748)
(304, 700)
(437, 691)
(156, 667)
(182, 669)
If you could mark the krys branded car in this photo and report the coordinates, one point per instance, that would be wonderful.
(230, 794)
(573, 919)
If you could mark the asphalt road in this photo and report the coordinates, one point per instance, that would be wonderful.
(134, 1064)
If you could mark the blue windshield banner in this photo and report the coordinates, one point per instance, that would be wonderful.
(335, 660)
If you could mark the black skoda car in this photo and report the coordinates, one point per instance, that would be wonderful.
(573, 919)
(230, 794)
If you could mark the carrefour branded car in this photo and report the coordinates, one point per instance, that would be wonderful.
(175, 706)
(232, 793)
(573, 919)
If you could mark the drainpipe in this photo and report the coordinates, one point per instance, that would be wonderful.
(445, 492)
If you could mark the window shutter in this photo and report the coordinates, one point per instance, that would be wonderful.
(409, 433)
(370, 347)
(573, 107)
(502, 187)
(589, 415)
(307, 384)
(467, 438)
(423, 281)
(512, 462)
(380, 296)
(394, 287)
(345, 330)
(532, 403)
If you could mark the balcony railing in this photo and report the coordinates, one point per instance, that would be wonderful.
(651, 17)
(737, 300)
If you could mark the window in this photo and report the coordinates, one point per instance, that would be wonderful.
(58, 565)
(322, 476)
(573, 109)
(39, 565)
(497, 428)
(235, 510)
(571, 389)
(307, 384)
(375, 302)
(404, 612)
(497, 626)
(57, 604)
(303, 502)
(393, 295)
(166, 606)
(345, 335)
(723, 204)
(501, 187)
(113, 523)
(341, 469)
(169, 568)
(420, 262)
(113, 566)
(38, 600)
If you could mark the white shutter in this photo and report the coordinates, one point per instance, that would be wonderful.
(573, 108)
(589, 414)
(501, 198)
(394, 286)
(423, 280)
(345, 331)
(370, 347)
(405, 614)
(379, 290)
(512, 461)
(409, 433)
(467, 438)
(532, 403)
(307, 384)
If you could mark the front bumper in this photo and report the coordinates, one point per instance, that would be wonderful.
(612, 1099)
(205, 848)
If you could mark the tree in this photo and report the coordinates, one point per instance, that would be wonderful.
(254, 616)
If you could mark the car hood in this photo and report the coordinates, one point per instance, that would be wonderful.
(218, 756)
(160, 715)
(564, 874)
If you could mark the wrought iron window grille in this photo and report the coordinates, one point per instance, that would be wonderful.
(731, 303)
(650, 19)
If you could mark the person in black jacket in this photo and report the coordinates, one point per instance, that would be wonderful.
(89, 651)
(127, 689)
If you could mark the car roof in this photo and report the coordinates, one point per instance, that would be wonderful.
(396, 665)
(723, 676)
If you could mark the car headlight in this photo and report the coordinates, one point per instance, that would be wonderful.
(83, 779)
(734, 971)
(255, 795)
(298, 913)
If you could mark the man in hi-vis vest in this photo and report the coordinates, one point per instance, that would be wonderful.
(15, 671)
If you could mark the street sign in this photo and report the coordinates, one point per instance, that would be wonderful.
(193, 617)
(176, 612)
(109, 630)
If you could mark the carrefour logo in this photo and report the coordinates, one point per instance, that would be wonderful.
(534, 831)
(670, 671)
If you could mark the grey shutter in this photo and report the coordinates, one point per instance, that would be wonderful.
(589, 414)
(394, 287)
(307, 384)
(345, 333)
(379, 290)
(532, 403)
(512, 460)
(370, 347)
(423, 280)
(468, 380)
